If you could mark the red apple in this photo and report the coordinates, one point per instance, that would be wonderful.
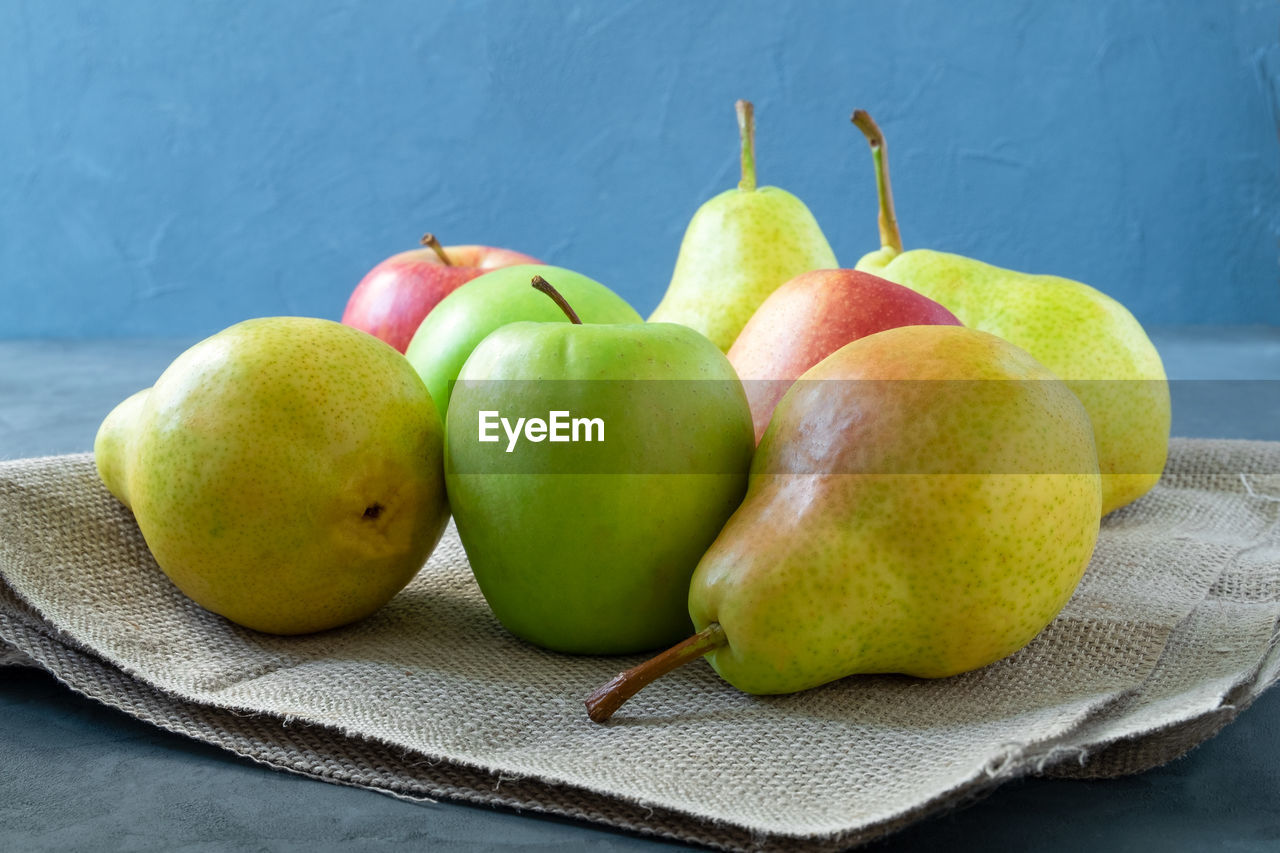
(391, 300)
(812, 316)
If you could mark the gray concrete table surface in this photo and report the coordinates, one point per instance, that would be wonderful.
(75, 774)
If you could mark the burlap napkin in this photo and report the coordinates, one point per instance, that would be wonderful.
(1171, 634)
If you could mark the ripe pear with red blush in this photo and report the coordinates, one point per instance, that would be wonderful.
(393, 297)
(924, 502)
(812, 316)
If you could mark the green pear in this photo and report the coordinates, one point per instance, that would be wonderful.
(286, 473)
(463, 318)
(585, 543)
(1084, 336)
(924, 501)
(739, 247)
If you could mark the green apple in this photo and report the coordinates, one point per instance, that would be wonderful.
(286, 473)
(464, 317)
(586, 542)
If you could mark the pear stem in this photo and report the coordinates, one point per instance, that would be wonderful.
(747, 131)
(605, 700)
(540, 283)
(890, 236)
(430, 241)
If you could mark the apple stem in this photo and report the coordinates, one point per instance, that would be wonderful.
(605, 700)
(430, 241)
(540, 283)
(747, 132)
(890, 236)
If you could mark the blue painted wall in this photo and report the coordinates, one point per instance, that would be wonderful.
(171, 168)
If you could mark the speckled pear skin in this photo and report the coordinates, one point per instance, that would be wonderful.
(112, 445)
(286, 473)
(818, 576)
(1080, 334)
(739, 247)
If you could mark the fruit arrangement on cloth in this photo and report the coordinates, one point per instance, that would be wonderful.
(798, 471)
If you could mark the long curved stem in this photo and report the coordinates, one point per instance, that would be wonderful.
(607, 699)
(747, 132)
(890, 236)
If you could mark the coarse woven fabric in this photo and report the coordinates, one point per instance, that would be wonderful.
(1171, 633)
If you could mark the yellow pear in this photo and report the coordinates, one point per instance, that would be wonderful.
(1085, 337)
(286, 473)
(924, 501)
(740, 246)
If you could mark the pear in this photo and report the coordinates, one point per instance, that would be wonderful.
(1084, 336)
(924, 501)
(739, 247)
(286, 473)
